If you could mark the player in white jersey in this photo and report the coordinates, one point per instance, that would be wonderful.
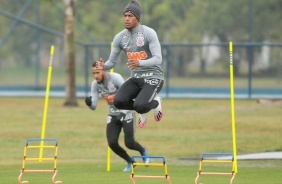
(143, 49)
(106, 84)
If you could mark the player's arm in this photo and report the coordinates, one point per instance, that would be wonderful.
(92, 100)
(115, 51)
(155, 48)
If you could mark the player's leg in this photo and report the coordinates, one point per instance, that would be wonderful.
(113, 131)
(144, 102)
(128, 124)
(129, 135)
(126, 93)
(147, 98)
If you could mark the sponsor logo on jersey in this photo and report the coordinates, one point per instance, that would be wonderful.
(137, 55)
(152, 82)
(113, 110)
(136, 75)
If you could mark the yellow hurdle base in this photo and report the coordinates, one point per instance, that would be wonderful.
(38, 171)
(214, 173)
(140, 176)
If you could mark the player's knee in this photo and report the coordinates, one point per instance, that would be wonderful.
(113, 145)
(140, 108)
(119, 103)
(129, 144)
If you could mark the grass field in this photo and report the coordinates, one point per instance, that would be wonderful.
(189, 127)
(9, 76)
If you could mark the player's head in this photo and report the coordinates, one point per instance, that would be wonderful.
(132, 14)
(99, 74)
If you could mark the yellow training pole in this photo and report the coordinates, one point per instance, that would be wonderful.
(109, 149)
(46, 100)
(232, 105)
(109, 159)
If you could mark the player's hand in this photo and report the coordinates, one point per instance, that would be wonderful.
(108, 98)
(88, 101)
(132, 63)
(100, 64)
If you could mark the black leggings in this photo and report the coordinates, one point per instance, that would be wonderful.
(142, 90)
(114, 127)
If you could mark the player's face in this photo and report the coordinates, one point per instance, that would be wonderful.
(130, 21)
(99, 74)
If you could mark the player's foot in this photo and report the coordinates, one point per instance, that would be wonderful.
(142, 120)
(158, 112)
(146, 160)
(127, 167)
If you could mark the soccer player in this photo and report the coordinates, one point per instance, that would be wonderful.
(106, 84)
(143, 49)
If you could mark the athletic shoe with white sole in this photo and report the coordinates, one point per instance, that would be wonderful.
(158, 112)
(142, 120)
(146, 160)
(127, 167)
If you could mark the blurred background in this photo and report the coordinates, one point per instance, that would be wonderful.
(194, 35)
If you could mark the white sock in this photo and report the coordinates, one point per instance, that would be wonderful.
(143, 116)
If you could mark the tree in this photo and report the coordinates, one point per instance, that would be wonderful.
(69, 52)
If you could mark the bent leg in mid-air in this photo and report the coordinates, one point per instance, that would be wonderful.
(148, 99)
(144, 91)
(125, 95)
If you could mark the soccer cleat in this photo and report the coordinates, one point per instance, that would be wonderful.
(158, 112)
(142, 120)
(146, 160)
(127, 167)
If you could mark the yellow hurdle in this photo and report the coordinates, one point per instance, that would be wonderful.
(233, 160)
(163, 164)
(218, 158)
(40, 158)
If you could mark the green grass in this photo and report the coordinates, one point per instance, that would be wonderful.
(189, 127)
(179, 174)
(9, 76)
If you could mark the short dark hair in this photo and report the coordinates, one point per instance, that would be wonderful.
(95, 63)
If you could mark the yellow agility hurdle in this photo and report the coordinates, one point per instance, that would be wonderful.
(26, 158)
(217, 158)
(163, 164)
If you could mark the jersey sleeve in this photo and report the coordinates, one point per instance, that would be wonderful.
(118, 79)
(155, 48)
(94, 95)
(115, 51)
